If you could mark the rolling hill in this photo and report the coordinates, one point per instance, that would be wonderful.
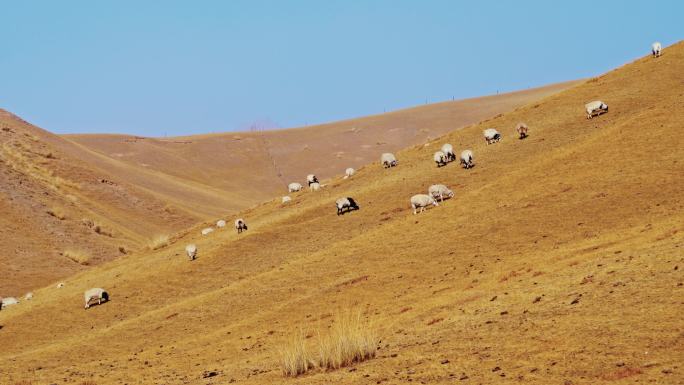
(558, 261)
(77, 200)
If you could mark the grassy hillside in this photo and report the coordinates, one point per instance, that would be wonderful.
(558, 261)
(101, 196)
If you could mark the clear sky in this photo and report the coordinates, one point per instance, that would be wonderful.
(181, 67)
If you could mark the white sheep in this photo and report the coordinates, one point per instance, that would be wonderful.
(440, 191)
(521, 129)
(448, 150)
(656, 49)
(345, 203)
(440, 158)
(207, 230)
(315, 186)
(286, 199)
(220, 223)
(240, 225)
(8, 301)
(597, 107)
(491, 135)
(311, 178)
(349, 172)
(191, 251)
(467, 159)
(60, 285)
(294, 187)
(95, 294)
(28, 296)
(422, 201)
(388, 160)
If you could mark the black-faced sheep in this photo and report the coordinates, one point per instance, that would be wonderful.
(388, 160)
(240, 225)
(311, 178)
(448, 150)
(467, 159)
(345, 205)
(95, 294)
(597, 107)
(491, 135)
(440, 158)
(656, 49)
(191, 251)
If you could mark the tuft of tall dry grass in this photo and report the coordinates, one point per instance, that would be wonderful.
(158, 242)
(77, 256)
(350, 339)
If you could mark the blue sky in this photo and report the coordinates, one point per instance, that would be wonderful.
(181, 67)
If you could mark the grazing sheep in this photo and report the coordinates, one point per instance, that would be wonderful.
(286, 199)
(467, 159)
(440, 158)
(388, 160)
(207, 230)
(240, 225)
(28, 296)
(448, 150)
(349, 172)
(345, 203)
(422, 201)
(597, 107)
(440, 191)
(191, 251)
(656, 49)
(60, 285)
(315, 186)
(491, 135)
(311, 178)
(8, 301)
(96, 293)
(294, 187)
(521, 129)
(220, 223)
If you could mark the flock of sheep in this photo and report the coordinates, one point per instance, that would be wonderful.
(419, 202)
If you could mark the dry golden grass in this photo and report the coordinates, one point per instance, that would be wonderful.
(78, 256)
(158, 242)
(57, 212)
(350, 339)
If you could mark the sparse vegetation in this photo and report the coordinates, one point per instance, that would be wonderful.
(57, 212)
(78, 256)
(158, 242)
(350, 339)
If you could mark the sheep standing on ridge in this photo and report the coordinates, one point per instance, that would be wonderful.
(422, 201)
(311, 178)
(521, 129)
(349, 172)
(294, 187)
(440, 191)
(8, 301)
(220, 223)
(98, 294)
(388, 160)
(347, 204)
(491, 135)
(286, 199)
(597, 107)
(467, 159)
(240, 225)
(191, 251)
(448, 150)
(314, 186)
(440, 158)
(656, 49)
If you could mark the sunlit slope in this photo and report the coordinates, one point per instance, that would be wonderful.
(559, 260)
(255, 166)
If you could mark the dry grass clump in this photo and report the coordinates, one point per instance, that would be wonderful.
(57, 212)
(158, 242)
(77, 256)
(350, 339)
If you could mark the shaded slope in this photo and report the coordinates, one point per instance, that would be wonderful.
(559, 260)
